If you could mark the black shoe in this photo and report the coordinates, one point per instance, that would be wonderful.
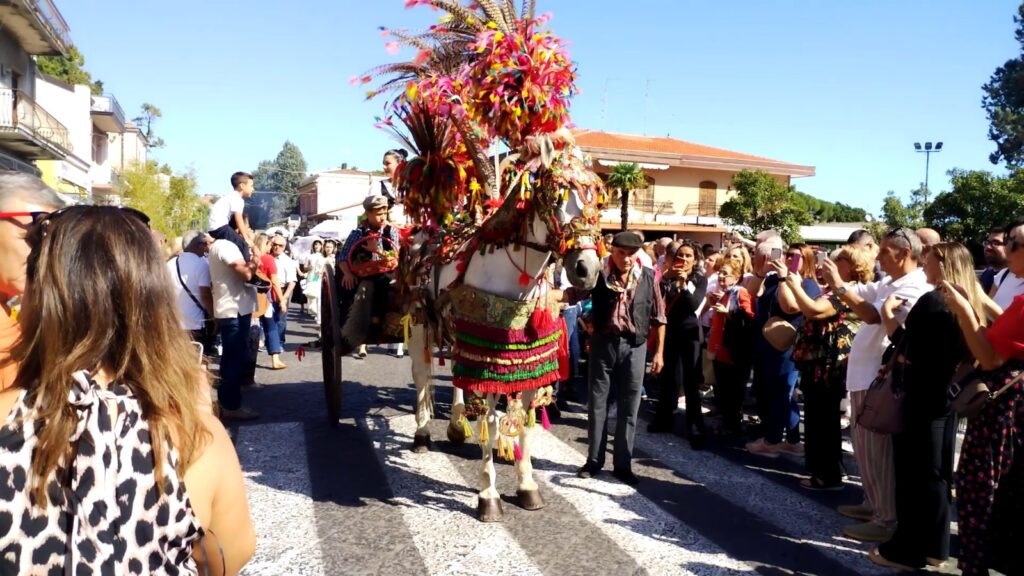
(659, 427)
(698, 441)
(314, 344)
(588, 471)
(626, 477)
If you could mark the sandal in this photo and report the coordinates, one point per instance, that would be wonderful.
(815, 483)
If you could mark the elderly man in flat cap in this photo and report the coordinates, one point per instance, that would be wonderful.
(626, 303)
(369, 242)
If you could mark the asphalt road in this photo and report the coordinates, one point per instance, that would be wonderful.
(352, 499)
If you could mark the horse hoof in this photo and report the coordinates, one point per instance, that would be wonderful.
(455, 434)
(421, 444)
(530, 499)
(489, 509)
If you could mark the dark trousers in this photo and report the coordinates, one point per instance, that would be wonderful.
(567, 389)
(282, 325)
(730, 391)
(782, 413)
(234, 334)
(923, 455)
(227, 232)
(682, 371)
(823, 433)
(614, 361)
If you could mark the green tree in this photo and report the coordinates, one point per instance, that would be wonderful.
(145, 121)
(978, 202)
(263, 176)
(69, 68)
(291, 171)
(1004, 104)
(626, 177)
(764, 203)
(170, 201)
(897, 214)
(277, 184)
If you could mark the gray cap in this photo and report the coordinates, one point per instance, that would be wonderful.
(374, 202)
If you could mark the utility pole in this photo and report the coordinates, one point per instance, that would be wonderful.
(927, 149)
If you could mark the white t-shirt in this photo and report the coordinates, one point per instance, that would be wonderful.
(231, 295)
(1010, 286)
(195, 273)
(871, 340)
(287, 270)
(222, 209)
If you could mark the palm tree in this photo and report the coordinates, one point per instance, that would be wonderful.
(625, 178)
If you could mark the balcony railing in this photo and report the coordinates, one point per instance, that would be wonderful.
(51, 18)
(107, 104)
(19, 113)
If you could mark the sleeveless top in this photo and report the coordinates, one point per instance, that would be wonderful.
(108, 516)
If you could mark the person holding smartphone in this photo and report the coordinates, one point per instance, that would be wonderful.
(775, 375)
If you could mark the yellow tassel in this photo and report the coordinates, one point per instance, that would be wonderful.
(406, 328)
(466, 428)
(532, 420)
(484, 434)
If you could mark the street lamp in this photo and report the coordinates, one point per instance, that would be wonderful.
(927, 150)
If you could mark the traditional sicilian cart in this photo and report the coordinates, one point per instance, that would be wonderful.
(488, 75)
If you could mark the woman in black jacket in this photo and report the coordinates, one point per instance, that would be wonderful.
(683, 287)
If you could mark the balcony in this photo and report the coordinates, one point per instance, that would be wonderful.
(28, 130)
(107, 114)
(38, 26)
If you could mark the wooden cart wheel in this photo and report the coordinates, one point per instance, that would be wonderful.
(330, 337)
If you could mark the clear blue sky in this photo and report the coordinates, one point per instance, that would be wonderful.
(844, 86)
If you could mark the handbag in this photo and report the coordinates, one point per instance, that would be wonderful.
(969, 393)
(779, 333)
(882, 411)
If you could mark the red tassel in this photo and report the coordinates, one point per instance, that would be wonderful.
(517, 451)
(541, 319)
(440, 359)
(524, 279)
(544, 421)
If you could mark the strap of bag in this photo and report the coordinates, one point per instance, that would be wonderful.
(999, 392)
(177, 266)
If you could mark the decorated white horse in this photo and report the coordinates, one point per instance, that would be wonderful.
(490, 74)
(494, 304)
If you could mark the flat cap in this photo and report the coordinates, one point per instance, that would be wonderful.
(628, 240)
(375, 202)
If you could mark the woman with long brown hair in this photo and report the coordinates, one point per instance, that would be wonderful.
(109, 420)
(929, 346)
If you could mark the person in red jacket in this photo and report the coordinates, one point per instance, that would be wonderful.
(731, 344)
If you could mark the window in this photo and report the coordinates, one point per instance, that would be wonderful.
(707, 202)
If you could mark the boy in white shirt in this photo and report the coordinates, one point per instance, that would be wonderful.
(227, 221)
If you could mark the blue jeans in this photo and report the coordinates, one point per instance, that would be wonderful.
(783, 412)
(282, 324)
(271, 331)
(234, 334)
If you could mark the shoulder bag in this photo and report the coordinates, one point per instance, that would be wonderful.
(209, 324)
(969, 394)
(882, 411)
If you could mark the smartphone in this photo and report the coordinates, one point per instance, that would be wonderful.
(776, 254)
(713, 298)
(794, 264)
(822, 256)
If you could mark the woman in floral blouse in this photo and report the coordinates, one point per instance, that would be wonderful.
(820, 353)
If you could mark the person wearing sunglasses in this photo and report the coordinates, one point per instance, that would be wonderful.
(109, 422)
(24, 199)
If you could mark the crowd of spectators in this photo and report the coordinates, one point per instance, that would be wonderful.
(796, 343)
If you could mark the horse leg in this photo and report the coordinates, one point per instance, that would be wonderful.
(526, 489)
(421, 375)
(456, 433)
(488, 506)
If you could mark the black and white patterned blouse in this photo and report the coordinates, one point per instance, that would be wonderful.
(108, 516)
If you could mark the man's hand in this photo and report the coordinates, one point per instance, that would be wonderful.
(892, 303)
(282, 307)
(348, 281)
(657, 363)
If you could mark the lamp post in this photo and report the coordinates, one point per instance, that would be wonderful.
(927, 149)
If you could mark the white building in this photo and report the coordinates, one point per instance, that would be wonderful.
(334, 194)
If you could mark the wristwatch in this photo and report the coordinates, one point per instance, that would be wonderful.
(841, 291)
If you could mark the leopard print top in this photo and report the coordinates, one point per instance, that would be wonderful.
(108, 516)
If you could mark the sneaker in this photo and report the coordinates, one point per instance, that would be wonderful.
(241, 413)
(856, 511)
(762, 448)
(876, 556)
(791, 449)
(868, 532)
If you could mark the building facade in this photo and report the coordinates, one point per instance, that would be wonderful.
(334, 194)
(28, 131)
(687, 182)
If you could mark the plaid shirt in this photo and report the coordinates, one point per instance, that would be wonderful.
(357, 234)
